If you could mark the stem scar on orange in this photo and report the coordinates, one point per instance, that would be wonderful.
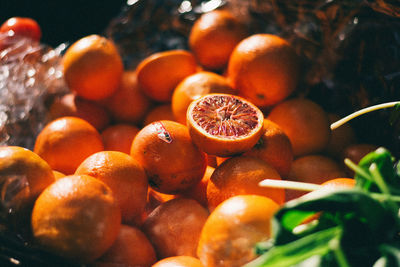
(224, 125)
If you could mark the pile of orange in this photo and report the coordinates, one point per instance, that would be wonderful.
(160, 165)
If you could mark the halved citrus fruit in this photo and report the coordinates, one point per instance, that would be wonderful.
(223, 124)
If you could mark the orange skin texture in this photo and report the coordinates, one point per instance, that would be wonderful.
(171, 167)
(174, 227)
(119, 137)
(305, 123)
(123, 175)
(160, 73)
(21, 163)
(264, 68)
(132, 248)
(274, 147)
(76, 217)
(214, 36)
(313, 169)
(220, 146)
(73, 105)
(194, 87)
(240, 176)
(58, 175)
(128, 104)
(179, 261)
(65, 142)
(92, 67)
(233, 228)
(159, 113)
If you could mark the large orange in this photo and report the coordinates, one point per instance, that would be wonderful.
(76, 217)
(179, 261)
(240, 176)
(119, 137)
(174, 227)
(264, 68)
(223, 124)
(123, 175)
(92, 67)
(194, 87)
(234, 228)
(274, 147)
(159, 113)
(171, 161)
(128, 104)
(132, 248)
(159, 73)
(73, 105)
(65, 142)
(305, 123)
(214, 36)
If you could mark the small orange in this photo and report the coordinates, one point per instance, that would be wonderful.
(274, 147)
(224, 125)
(159, 73)
(128, 104)
(119, 137)
(240, 176)
(174, 227)
(76, 217)
(305, 123)
(123, 175)
(159, 113)
(73, 105)
(92, 67)
(65, 142)
(194, 87)
(132, 248)
(171, 161)
(313, 169)
(214, 36)
(234, 228)
(179, 261)
(264, 68)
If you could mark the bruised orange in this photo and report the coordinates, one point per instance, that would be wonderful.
(159, 73)
(264, 68)
(76, 217)
(65, 142)
(171, 161)
(92, 67)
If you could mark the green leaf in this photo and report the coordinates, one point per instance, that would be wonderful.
(390, 256)
(395, 115)
(297, 251)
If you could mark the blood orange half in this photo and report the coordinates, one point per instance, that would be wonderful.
(224, 124)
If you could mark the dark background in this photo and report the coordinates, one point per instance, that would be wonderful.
(64, 21)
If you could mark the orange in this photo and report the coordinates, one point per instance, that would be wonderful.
(274, 147)
(159, 113)
(199, 191)
(194, 87)
(119, 137)
(264, 68)
(240, 176)
(339, 183)
(340, 138)
(123, 175)
(132, 248)
(179, 261)
(159, 73)
(128, 104)
(58, 175)
(214, 36)
(76, 217)
(171, 161)
(234, 228)
(65, 142)
(174, 227)
(92, 67)
(73, 105)
(313, 169)
(224, 125)
(305, 123)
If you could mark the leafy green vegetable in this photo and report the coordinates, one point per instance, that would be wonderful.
(350, 227)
